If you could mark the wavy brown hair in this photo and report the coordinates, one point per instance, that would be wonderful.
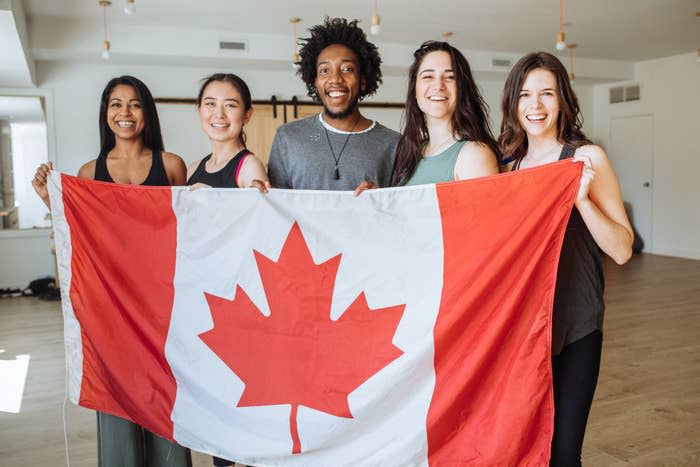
(469, 120)
(513, 139)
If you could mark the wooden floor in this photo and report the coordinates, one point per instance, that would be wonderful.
(646, 412)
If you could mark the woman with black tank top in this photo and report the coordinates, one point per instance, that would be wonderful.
(131, 152)
(542, 124)
(225, 106)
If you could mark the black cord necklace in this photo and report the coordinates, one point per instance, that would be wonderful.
(340, 154)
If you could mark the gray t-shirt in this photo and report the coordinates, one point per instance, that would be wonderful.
(301, 159)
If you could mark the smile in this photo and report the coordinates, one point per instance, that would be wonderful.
(536, 118)
(220, 125)
(337, 93)
(437, 98)
(125, 124)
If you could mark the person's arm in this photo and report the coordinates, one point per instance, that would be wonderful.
(252, 174)
(475, 160)
(175, 169)
(39, 182)
(599, 201)
(276, 170)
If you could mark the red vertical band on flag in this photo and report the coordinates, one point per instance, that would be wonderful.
(492, 402)
(123, 241)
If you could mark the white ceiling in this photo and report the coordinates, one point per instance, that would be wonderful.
(629, 30)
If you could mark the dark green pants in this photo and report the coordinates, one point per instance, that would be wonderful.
(121, 443)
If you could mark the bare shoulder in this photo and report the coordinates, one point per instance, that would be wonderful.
(87, 170)
(474, 160)
(172, 158)
(476, 149)
(175, 168)
(594, 152)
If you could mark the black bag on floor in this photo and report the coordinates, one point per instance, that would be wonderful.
(44, 288)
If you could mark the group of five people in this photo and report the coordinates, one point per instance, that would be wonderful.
(446, 137)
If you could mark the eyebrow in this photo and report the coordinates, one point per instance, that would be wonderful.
(432, 70)
(545, 89)
(228, 99)
(342, 61)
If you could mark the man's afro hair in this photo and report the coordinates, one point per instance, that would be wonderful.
(347, 33)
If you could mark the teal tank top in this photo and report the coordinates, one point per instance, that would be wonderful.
(437, 168)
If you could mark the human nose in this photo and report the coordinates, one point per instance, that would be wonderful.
(335, 76)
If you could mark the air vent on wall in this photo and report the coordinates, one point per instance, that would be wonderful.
(500, 62)
(632, 93)
(232, 45)
(617, 95)
(625, 94)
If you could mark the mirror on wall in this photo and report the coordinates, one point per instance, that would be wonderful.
(23, 146)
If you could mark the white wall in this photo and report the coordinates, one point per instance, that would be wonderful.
(26, 255)
(670, 92)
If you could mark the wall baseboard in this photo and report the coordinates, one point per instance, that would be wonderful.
(676, 252)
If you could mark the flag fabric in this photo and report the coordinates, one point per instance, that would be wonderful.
(406, 326)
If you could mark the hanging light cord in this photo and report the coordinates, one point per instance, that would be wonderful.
(561, 15)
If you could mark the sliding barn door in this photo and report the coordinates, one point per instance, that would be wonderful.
(260, 131)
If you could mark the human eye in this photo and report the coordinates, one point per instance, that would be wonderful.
(524, 94)
(135, 105)
(115, 104)
(323, 71)
(347, 69)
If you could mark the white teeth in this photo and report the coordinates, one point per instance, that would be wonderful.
(337, 93)
(437, 98)
(125, 124)
(220, 125)
(536, 118)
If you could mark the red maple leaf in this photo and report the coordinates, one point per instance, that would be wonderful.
(297, 355)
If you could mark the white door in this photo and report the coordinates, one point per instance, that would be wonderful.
(631, 152)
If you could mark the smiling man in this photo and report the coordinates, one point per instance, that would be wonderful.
(338, 149)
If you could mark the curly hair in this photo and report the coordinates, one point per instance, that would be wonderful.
(347, 33)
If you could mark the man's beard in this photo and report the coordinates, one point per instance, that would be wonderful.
(343, 113)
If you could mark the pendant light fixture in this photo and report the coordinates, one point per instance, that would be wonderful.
(295, 54)
(130, 7)
(561, 38)
(376, 26)
(571, 47)
(105, 45)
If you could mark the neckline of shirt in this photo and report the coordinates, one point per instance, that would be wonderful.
(342, 132)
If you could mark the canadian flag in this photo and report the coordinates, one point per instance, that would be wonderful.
(406, 326)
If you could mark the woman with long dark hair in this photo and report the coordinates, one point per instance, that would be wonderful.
(225, 106)
(446, 134)
(542, 124)
(131, 152)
